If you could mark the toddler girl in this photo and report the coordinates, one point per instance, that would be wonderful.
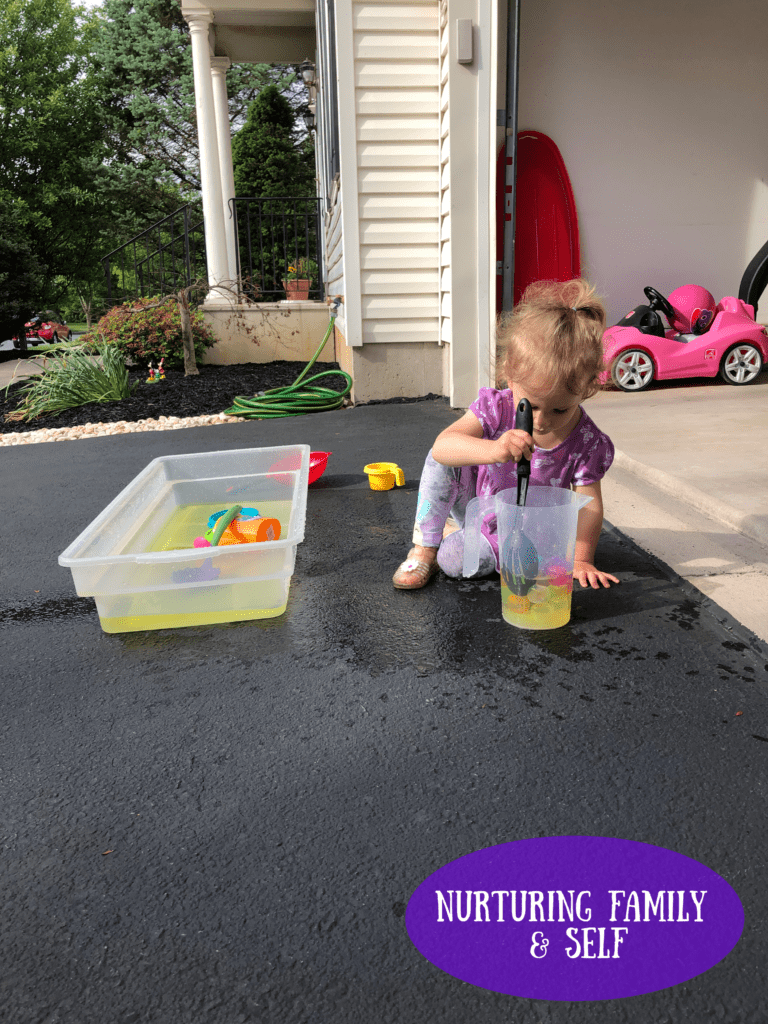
(554, 356)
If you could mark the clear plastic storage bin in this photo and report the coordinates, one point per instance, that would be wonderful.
(137, 557)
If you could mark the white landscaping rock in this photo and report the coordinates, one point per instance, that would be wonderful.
(122, 427)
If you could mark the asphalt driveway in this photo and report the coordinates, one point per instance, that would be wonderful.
(225, 824)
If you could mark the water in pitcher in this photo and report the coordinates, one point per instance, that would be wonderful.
(545, 606)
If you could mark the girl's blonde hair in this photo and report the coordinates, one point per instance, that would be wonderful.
(555, 332)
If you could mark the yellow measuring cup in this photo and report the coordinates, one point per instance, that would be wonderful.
(382, 475)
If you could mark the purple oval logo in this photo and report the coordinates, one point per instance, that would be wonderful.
(574, 918)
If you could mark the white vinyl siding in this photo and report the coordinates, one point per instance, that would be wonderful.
(445, 182)
(397, 130)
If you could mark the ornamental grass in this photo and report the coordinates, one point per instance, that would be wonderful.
(73, 377)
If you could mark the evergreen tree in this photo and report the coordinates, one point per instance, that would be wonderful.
(266, 157)
(147, 85)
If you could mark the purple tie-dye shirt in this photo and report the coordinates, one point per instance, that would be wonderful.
(583, 458)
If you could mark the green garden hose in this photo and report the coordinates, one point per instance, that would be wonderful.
(294, 400)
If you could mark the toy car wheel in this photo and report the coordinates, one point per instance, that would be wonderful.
(632, 370)
(55, 339)
(741, 364)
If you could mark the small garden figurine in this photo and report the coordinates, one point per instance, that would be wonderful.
(156, 375)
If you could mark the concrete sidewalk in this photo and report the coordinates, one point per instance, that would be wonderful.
(690, 484)
(704, 440)
(19, 369)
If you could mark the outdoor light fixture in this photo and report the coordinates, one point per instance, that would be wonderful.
(307, 69)
(309, 121)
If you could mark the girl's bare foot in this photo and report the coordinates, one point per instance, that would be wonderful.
(418, 568)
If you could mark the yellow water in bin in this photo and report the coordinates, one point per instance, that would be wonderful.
(258, 599)
(545, 606)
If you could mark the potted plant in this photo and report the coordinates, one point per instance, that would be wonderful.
(298, 279)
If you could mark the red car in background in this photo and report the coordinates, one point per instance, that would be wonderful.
(48, 326)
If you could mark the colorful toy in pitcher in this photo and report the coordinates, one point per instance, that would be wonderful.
(546, 605)
(238, 525)
(156, 375)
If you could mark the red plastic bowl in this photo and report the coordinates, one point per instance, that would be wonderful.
(317, 463)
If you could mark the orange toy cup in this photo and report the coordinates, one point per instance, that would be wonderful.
(247, 531)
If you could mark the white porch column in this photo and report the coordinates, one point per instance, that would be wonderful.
(219, 67)
(210, 173)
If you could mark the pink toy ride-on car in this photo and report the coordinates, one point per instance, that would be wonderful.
(702, 340)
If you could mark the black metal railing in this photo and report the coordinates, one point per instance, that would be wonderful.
(164, 258)
(274, 234)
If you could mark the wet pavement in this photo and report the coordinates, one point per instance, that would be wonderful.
(225, 824)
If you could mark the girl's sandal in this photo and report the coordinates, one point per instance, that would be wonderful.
(414, 573)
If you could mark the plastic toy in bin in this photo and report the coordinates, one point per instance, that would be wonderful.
(702, 339)
(244, 526)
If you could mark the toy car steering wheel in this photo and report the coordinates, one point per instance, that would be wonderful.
(658, 302)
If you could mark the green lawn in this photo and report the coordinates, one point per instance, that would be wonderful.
(44, 348)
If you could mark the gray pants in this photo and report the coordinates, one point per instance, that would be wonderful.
(444, 491)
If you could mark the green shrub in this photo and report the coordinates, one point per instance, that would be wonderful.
(149, 330)
(73, 378)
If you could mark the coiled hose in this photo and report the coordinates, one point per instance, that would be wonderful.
(294, 400)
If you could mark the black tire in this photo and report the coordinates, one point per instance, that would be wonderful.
(741, 364)
(632, 370)
(55, 338)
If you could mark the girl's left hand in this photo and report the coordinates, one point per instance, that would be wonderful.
(589, 576)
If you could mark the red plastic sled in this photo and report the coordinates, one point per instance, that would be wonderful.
(546, 225)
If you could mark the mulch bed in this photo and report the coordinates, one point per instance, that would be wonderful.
(212, 391)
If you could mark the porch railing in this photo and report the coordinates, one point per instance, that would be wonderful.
(272, 233)
(166, 257)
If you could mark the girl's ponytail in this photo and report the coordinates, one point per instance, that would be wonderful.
(555, 333)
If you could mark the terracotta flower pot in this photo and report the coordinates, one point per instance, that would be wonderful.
(297, 290)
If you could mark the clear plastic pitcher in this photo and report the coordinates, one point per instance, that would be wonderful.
(536, 549)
